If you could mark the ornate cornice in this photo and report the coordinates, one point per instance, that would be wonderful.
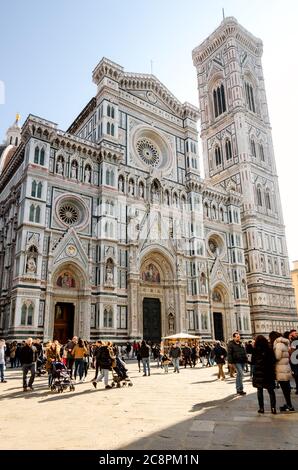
(229, 28)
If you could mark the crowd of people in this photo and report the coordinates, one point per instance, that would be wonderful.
(272, 362)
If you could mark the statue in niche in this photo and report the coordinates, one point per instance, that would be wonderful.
(87, 174)
(121, 185)
(74, 170)
(141, 190)
(203, 284)
(131, 188)
(171, 324)
(109, 273)
(31, 265)
(60, 167)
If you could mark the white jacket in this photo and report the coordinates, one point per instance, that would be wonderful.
(282, 366)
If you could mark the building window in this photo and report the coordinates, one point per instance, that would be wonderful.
(31, 213)
(122, 317)
(218, 160)
(190, 320)
(253, 148)
(250, 97)
(268, 201)
(219, 100)
(27, 313)
(108, 128)
(33, 188)
(228, 149)
(39, 156)
(108, 318)
(261, 151)
(112, 129)
(259, 196)
(36, 155)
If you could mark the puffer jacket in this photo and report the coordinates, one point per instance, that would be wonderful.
(282, 367)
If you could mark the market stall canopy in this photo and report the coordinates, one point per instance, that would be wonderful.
(182, 336)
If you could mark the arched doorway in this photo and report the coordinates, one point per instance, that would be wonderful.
(69, 304)
(157, 295)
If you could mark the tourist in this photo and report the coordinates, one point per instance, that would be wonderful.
(175, 354)
(263, 360)
(283, 371)
(220, 355)
(145, 355)
(28, 359)
(2, 360)
(237, 357)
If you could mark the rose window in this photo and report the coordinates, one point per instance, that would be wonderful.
(148, 152)
(69, 214)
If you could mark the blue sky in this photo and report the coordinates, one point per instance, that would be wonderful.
(49, 49)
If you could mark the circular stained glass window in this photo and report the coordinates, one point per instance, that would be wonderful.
(69, 214)
(148, 152)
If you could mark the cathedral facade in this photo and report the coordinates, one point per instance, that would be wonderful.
(109, 231)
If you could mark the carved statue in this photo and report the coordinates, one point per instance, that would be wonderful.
(87, 174)
(141, 190)
(171, 324)
(31, 265)
(131, 188)
(109, 274)
(60, 167)
(121, 185)
(74, 171)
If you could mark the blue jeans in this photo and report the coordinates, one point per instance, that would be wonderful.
(79, 367)
(146, 365)
(175, 361)
(2, 372)
(239, 377)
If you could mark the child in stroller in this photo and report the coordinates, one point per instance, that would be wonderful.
(120, 376)
(60, 378)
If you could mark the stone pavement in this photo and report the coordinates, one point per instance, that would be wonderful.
(192, 410)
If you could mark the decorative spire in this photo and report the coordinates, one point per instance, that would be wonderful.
(18, 117)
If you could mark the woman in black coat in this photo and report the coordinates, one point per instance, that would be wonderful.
(263, 360)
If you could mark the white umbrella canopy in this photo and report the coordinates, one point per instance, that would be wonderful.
(182, 336)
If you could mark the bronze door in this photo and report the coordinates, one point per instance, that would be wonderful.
(64, 319)
(151, 320)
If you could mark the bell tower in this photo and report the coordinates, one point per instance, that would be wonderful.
(238, 155)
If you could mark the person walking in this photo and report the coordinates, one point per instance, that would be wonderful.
(237, 356)
(282, 367)
(145, 356)
(106, 360)
(175, 354)
(2, 360)
(220, 355)
(28, 359)
(263, 360)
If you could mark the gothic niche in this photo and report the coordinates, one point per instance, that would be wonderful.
(203, 284)
(66, 280)
(60, 166)
(155, 193)
(109, 277)
(31, 264)
(87, 174)
(171, 324)
(151, 274)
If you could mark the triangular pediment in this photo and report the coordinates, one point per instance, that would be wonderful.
(150, 89)
(219, 274)
(70, 249)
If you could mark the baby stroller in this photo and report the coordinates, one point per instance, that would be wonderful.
(120, 376)
(60, 378)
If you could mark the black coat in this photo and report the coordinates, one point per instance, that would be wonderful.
(264, 368)
(236, 353)
(28, 355)
(220, 354)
